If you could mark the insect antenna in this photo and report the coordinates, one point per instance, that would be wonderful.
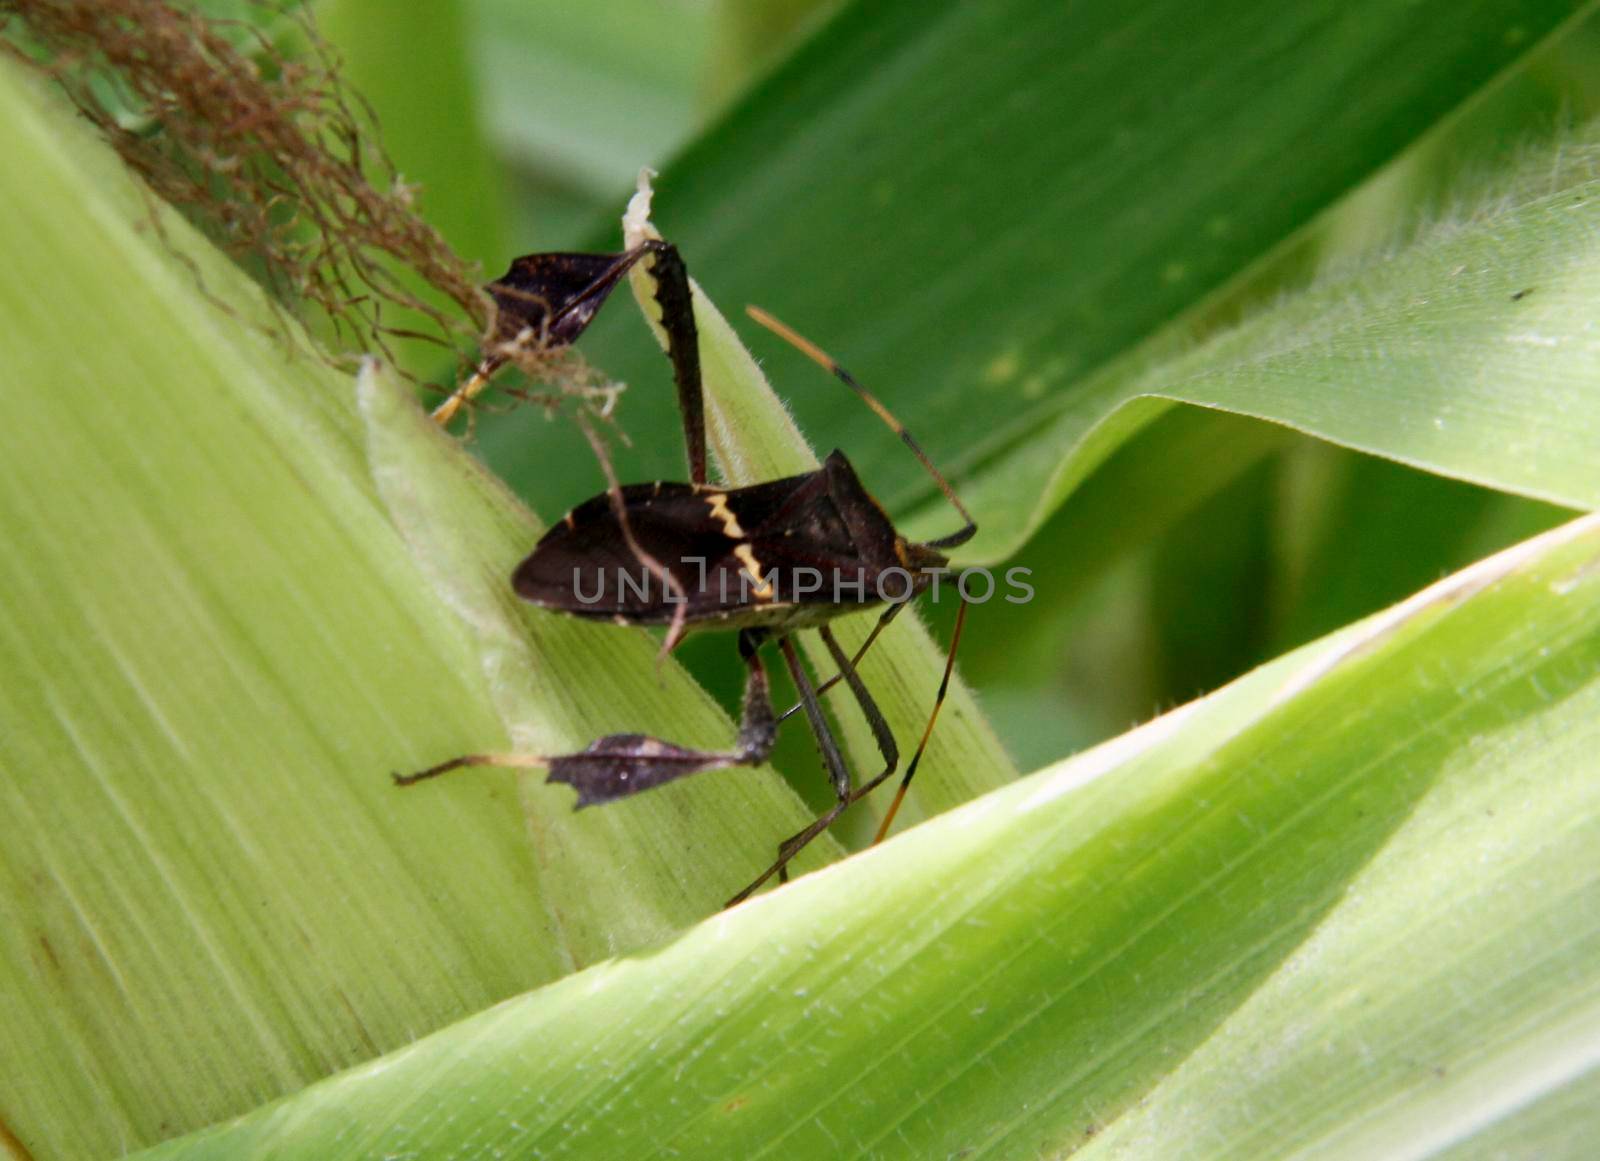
(944, 688)
(826, 361)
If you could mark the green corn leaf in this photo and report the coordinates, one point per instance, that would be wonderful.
(1344, 907)
(239, 593)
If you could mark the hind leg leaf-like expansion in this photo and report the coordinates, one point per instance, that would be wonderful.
(545, 300)
(548, 301)
(621, 765)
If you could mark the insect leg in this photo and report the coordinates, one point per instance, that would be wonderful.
(683, 348)
(548, 300)
(469, 389)
(838, 774)
(881, 733)
(669, 583)
(888, 614)
(619, 765)
(545, 301)
(758, 729)
(521, 761)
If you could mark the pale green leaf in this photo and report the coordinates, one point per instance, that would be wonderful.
(236, 600)
(1344, 907)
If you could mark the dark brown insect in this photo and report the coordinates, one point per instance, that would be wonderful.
(766, 559)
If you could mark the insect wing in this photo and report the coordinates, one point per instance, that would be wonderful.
(584, 564)
(721, 548)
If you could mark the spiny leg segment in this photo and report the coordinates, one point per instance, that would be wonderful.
(832, 759)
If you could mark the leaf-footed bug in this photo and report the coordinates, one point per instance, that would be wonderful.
(696, 555)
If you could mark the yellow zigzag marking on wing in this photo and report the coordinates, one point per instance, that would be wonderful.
(719, 509)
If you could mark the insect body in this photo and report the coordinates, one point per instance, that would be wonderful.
(766, 560)
(742, 557)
